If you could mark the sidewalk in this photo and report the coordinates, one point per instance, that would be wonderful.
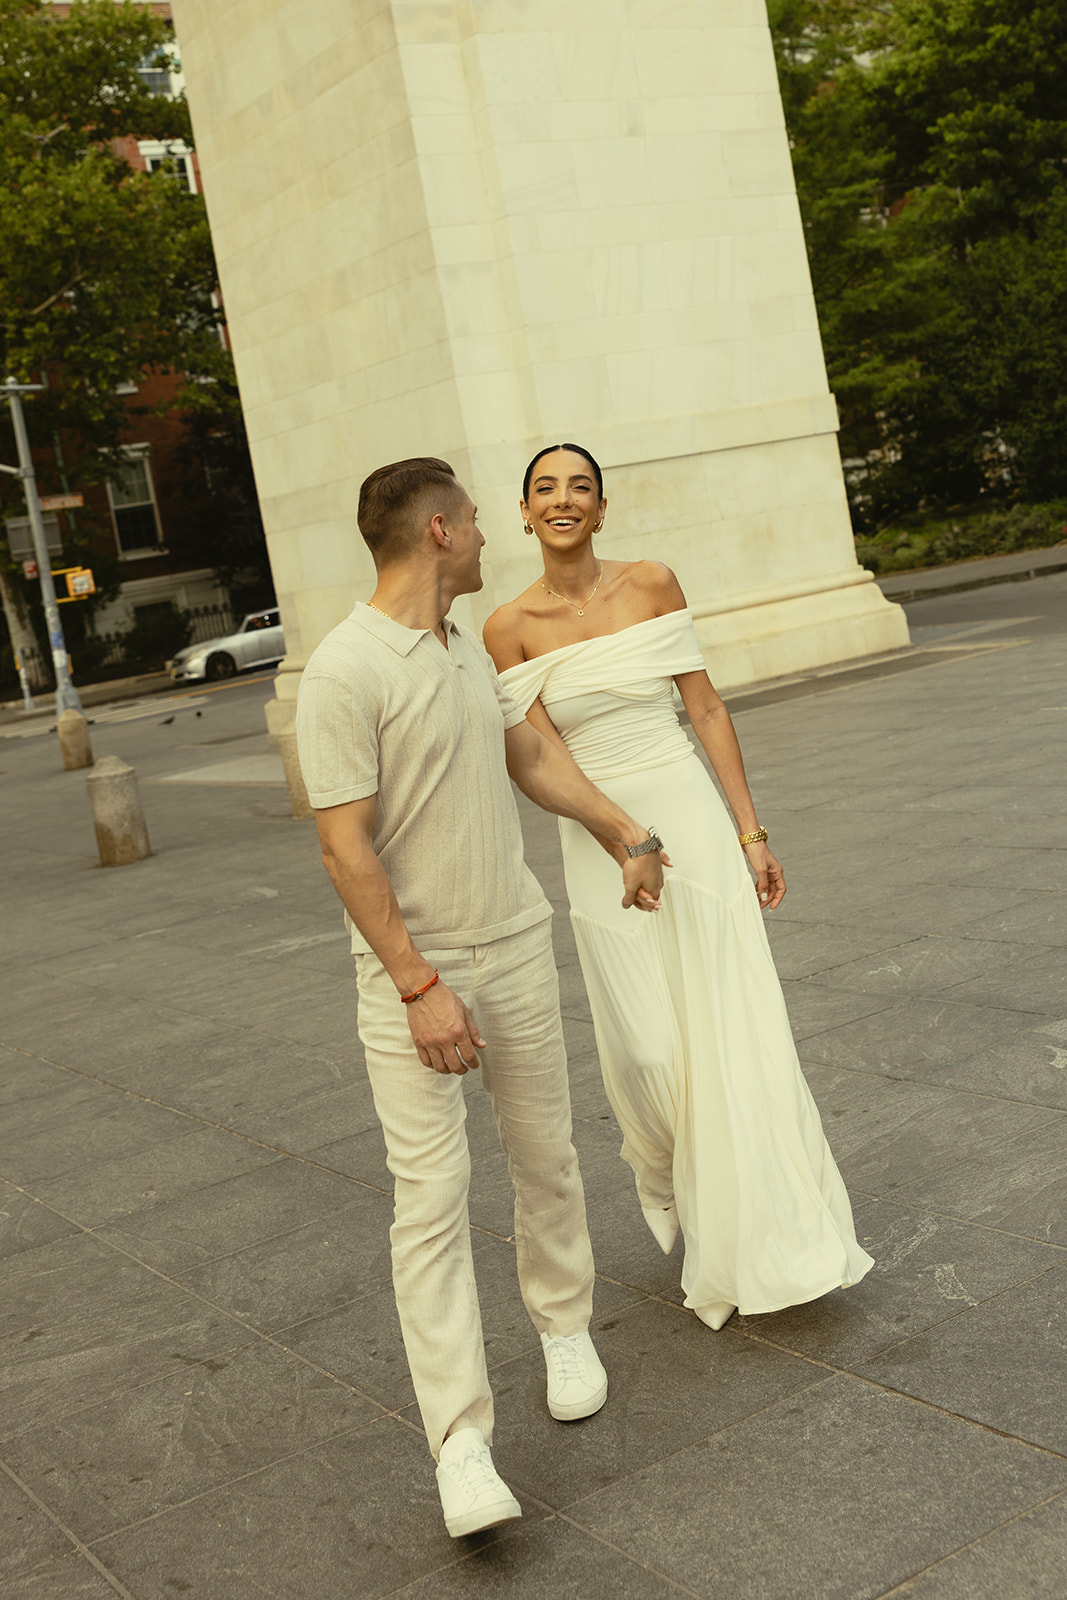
(976, 574)
(204, 1390)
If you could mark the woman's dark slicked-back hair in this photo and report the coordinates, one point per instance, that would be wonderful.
(579, 450)
(390, 498)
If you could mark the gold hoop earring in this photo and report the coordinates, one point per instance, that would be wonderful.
(598, 525)
(528, 526)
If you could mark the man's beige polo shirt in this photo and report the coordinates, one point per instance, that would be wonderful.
(387, 710)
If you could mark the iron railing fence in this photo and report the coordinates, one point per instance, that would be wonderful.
(210, 622)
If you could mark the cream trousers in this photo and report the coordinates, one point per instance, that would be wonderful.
(511, 988)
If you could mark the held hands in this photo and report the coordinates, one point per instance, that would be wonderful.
(443, 1031)
(642, 878)
(770, 879)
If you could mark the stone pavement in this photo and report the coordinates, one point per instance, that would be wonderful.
(203, 1389)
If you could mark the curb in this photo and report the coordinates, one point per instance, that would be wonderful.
(90, 694)
(924, 582)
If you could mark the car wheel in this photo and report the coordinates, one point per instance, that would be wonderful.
(220, 666)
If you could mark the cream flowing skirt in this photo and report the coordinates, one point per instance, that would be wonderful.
(698, 1057)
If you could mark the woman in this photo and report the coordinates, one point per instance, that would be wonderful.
(695, 1045)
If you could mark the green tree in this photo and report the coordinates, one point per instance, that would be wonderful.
(104, 271)
(930, 149)
(107, 272)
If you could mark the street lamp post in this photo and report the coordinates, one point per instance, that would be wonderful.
(67, 698)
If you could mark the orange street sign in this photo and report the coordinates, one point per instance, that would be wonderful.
(62, 502)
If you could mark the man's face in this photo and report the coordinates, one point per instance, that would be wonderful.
(466, 547)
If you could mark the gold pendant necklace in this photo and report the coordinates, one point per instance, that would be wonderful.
(579, 608)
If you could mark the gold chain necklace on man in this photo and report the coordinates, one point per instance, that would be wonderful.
(379, 610)
(579, 608)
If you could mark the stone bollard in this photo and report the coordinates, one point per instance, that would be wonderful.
(299, 803)
(74, 740)
(121, 831)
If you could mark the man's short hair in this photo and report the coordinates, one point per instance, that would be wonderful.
(396, 501)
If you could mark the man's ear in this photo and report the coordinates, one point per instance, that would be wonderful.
(439, 532)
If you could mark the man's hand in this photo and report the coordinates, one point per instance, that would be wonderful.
(642, 878)
(544, 769)
(443, 1031)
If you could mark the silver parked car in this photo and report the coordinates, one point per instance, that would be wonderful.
(258, 642)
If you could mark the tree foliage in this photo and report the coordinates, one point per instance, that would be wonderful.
(930, 150)
(105, 271)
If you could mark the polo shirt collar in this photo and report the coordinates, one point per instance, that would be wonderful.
(402, 640)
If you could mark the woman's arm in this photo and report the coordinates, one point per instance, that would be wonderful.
(713, 727)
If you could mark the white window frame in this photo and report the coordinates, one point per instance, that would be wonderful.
(175, 150)
(138, 452)
(167, 60)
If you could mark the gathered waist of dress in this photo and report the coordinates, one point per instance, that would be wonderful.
(609, 738)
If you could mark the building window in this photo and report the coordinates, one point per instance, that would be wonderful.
(176, 159)
(156, 71)
(133, 507)
(154, 80)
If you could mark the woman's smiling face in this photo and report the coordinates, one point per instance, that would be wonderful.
(564, 505)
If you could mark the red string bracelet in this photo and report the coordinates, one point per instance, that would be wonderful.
(416, 994)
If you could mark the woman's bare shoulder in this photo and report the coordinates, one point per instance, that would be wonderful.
(502, 633)
(656, 579)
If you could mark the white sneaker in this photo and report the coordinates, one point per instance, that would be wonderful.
(577, 1383)
(473, 1495)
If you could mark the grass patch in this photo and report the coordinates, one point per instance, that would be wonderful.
(962, 535)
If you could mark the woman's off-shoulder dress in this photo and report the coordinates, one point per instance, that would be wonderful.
(691, 1026)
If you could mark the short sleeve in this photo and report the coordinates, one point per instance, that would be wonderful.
(510, 710)
(336, 738)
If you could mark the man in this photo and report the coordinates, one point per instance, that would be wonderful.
(404, 731)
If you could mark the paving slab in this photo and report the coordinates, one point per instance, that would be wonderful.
(1027, 1556)
(544, 1561)
(25, 1222)
(1037, 919)
(977, 1366)
(167, 1441)
(71, 1578)
(815, 1007)
(222, 1219)
(917, 1038)
(1035, 981)
(106, 1191)
(316, 1524)
(895, 1487)
(1019, 1186)
(87, 1322)
(922, 966)
(103, 1127)
(1032, 1065)
(310, 1268)
(30, 1535)
(919, 1136)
